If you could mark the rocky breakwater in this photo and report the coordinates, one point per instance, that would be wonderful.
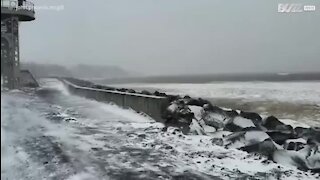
(247, 131)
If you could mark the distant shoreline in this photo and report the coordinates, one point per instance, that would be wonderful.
(275, 77)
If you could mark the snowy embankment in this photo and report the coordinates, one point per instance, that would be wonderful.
(50, 134)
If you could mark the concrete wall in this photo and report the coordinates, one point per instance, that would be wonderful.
(27, 79)
(149, 104)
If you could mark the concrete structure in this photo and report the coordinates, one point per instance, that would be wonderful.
(148, 104)
(12, 12)
(27, 79)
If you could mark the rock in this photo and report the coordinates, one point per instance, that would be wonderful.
(315, 132)
(195, 102)
(284, 128)
(215, 120)
(312, 134)
(145, 92)
(231, 113)
(97, 86)
(266, 147)
(211, 108)
(131, 91)
(301, 132)
(179, 115)
(271, 123)
(196, 128)
(306, 159)
(294, 144)
(172, 98)
(157, 93)
(217, 141)
(251, 141)
(122, 90)
(280, 136)
(109, 88)
(239, 124)
(256, 118)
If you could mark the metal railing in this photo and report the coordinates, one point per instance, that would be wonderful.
(14, 5)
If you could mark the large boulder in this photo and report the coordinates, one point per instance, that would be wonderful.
(295, 144)
(315, 131)
(271, 123)
(308, 133)
(251, 141)
(178, 115)
(306, 159)
(216, 120)
(145, 92)
(266, 148)
(239, 123)
(196, 128)
(280, 136)
(256, 118)
(157, 93)
(231, 113)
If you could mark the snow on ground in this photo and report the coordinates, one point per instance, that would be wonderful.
(54, 135)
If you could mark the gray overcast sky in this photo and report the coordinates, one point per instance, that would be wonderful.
(175, 36)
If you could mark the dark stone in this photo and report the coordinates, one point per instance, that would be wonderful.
(142, 136)
(122, 90)
(211, 119)
(301, 132)
(172, 98)
(192, 102)
(211, 108)
(256, 118)
(157, 93)
(97, 86)
(109, 88)
(291, 146)
(294, 146)
(131, 91)
(181, 117)
(233, 127)
(217, 141)
(145, 92)
(315, 134)
(312, 134)
(265, 147)
(231, 113)
(280, 136)
(272, 122)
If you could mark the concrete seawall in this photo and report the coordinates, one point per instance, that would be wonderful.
(148, 104)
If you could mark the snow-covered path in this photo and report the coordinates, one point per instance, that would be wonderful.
(53, 135)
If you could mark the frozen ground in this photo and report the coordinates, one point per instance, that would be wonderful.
(287, 100)
(54, 135)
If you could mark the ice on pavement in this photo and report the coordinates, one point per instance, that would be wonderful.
(54, 135)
